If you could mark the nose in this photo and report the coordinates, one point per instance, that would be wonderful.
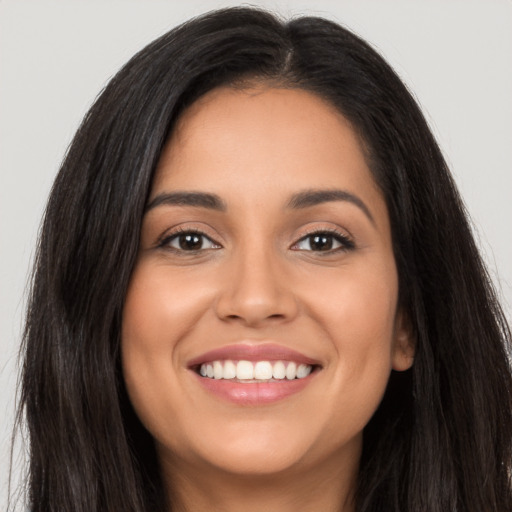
(256, 291)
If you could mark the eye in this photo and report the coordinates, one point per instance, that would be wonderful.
(189, 241)
(324, 241)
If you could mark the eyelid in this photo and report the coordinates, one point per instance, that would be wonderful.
(164, 240)
(345, 240)
(342, 237)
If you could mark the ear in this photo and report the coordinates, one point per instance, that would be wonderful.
(403, 343)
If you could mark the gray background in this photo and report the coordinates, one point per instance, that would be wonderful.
(56, 56)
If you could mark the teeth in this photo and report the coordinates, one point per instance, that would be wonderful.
(291, 371)
(263, 370)
(303, 371)
(244, 370)
(229, 370)
(279, 370)
(217, 370)
(251, 371)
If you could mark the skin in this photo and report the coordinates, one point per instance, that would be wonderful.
(257, 281)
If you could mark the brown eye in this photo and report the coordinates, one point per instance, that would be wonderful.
(321, 242)
(189, 241)
(324, 242)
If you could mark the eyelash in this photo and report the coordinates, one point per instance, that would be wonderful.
(346, 243)
(165, 242)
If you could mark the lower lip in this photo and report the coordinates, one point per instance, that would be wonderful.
(254, 393)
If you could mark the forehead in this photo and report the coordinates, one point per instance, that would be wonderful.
(272, 140)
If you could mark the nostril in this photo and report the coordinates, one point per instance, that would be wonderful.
(254, 297)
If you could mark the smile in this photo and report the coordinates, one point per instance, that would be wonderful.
(258, 371)
(254, 374)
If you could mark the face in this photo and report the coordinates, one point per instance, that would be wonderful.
(261, 325)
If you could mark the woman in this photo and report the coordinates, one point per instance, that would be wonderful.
(256, 289)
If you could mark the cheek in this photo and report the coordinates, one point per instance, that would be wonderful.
(157, 317)
(357, 307)
(155, 301)
(357, 313)
(162, 306)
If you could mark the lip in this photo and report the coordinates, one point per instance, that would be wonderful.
(253, 393)
(253, 352)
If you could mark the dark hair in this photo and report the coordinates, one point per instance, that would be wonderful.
(441, 439)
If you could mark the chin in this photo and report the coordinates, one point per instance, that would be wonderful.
(262, 447)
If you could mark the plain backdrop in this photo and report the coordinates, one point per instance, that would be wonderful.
(55, 57)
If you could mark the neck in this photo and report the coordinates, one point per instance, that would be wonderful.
(329, 487)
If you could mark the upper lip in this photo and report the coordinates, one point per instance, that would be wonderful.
(253, 352)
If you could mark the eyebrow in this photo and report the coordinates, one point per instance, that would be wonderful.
(309, 198)
(304, 199)
(198, 199)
